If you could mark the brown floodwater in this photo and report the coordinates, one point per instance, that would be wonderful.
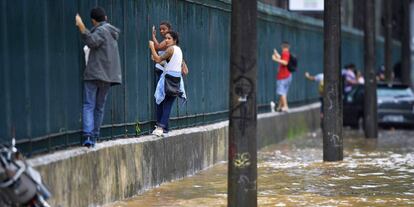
(374, 172)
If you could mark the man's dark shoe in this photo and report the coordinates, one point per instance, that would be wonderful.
(89, 142)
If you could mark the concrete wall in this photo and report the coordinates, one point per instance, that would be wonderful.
(119, 169)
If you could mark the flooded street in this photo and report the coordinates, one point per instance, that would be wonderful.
(374, 173)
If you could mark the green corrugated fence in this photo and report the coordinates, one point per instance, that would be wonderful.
(42, 63)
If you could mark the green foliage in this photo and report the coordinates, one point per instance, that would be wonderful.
(137, 128)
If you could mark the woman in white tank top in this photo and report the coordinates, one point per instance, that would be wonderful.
(171, 84)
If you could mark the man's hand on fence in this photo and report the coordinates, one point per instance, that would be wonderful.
(79, 23)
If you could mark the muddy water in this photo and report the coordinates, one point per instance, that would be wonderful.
(373, 173)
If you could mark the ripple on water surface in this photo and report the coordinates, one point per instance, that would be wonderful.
(373, 173)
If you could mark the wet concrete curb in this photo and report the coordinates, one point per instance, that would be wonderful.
(119, 169)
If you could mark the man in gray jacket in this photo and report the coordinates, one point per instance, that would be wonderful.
(103, 70)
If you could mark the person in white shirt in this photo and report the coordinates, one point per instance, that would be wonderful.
(170, 84)
(319, 79)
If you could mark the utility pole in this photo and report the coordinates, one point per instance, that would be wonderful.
(411, 22)
(370, 86)
(388, 40)
(379, 20)
(405, 44)
(332, 92)
(242, 165)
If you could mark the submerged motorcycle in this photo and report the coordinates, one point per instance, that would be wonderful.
(20, 184)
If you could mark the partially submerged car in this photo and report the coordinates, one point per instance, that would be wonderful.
(395, 106)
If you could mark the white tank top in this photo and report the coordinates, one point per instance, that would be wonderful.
(159, 66)
(175, 61)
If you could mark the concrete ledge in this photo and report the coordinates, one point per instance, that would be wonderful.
(119, 169)
(274, 127)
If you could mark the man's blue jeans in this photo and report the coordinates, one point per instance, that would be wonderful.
(95, 93)
(163, 112)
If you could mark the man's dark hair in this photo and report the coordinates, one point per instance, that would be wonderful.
(285, 44)
(174, 35)
(350, 66)
(98, 14)
(167, 24)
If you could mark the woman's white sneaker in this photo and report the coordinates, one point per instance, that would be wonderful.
(158, 131)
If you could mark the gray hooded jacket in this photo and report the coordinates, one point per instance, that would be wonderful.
(104, 62)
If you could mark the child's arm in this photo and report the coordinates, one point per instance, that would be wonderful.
(168, 53)
(161, 46)
(157, 45)
(154, 39)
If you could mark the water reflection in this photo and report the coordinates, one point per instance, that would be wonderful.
(375, 172)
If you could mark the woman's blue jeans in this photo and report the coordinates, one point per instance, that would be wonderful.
(163, 112)
(95, 93)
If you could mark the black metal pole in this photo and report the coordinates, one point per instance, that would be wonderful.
(242, 165)
(388, 40)
(332, 96)
(411, 23)
(405, 44)
(370, 98)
